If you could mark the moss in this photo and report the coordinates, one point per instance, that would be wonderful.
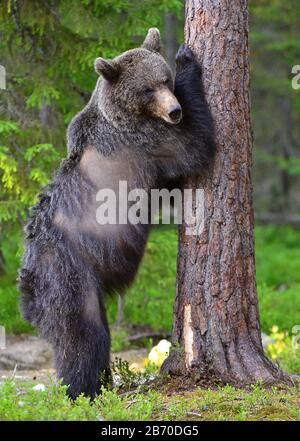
(20, 402)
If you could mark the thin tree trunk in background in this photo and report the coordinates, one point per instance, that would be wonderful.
(2, 263)
(120, 314)
(286, 153)
(216, 318)
(171, 45)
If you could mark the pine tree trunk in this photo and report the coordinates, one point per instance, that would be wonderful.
(216, 318)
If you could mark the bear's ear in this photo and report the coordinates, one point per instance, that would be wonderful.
(152, 41)
(108, 68)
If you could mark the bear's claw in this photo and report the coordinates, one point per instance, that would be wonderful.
(184, 54)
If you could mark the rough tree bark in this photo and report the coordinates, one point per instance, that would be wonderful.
(216, 318)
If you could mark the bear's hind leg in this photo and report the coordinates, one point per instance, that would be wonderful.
(82, 353)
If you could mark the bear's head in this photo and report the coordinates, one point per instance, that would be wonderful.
(139, 82)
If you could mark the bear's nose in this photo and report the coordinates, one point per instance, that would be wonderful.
(175, 113)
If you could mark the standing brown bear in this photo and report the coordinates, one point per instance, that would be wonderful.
(140, 128)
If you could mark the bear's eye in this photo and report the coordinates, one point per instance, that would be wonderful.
(148, 91)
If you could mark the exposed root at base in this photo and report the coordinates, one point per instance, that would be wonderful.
(207, 376)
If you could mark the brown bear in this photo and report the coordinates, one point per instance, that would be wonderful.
(142, 127)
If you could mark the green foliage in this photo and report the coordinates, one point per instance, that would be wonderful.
(22, 172)
(10, 316)
(290, 165)
(126, 378)
(275, 49)
(48, 52)
(277, 252)
(280, 307)
(228, 403)
(289, 359)
(285, 349)
(119, 337)
(138, 408)
(278, 277)
(19, 402)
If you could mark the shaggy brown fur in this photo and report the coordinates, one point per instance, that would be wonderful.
(137, 127)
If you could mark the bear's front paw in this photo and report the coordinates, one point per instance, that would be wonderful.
(184, 56)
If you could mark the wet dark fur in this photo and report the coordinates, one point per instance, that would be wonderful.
(68, 269)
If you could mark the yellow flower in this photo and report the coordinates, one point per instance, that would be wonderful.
(159, 353)
(280, 343)
(135, 367)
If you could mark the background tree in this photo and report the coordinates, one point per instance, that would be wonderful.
(216, 318)
(275, 49)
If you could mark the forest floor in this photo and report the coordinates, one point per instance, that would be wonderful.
(34, 394)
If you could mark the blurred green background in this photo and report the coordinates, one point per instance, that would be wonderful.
(48, 50)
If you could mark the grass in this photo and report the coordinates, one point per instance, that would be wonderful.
(19, 402)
